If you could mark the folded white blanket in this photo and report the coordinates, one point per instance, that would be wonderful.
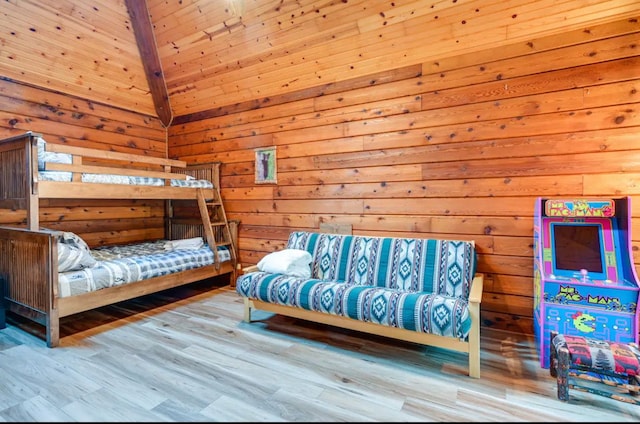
(191, 243)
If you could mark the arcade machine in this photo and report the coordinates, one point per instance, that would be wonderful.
(585, 282)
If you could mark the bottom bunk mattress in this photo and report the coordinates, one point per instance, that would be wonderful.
(110, 266)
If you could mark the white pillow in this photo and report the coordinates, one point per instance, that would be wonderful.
(294, 262)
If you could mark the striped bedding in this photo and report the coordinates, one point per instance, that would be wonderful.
(64, 176)
(118, 265)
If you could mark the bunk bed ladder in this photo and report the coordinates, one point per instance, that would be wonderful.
(216, 226)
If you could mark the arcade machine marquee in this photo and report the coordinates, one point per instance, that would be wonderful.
(585, 283)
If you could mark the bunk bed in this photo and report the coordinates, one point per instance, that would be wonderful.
(33, 283)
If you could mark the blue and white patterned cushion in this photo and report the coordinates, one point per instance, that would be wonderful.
(444, 267)
(423, 312)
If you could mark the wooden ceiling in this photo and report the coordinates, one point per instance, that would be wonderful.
(214, 53)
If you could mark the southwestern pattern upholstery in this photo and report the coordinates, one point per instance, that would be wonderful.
(577, 359)
(417, 285)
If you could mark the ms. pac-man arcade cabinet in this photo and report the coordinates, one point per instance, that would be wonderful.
(585, 282)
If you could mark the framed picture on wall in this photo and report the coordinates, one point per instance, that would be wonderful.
(266, 170)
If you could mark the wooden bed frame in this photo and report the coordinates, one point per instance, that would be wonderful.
(29, 256)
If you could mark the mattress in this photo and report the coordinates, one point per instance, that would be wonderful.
(118, 265)
(64, 176)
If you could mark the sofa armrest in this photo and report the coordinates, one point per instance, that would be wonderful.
(475, 295)
(250, 268)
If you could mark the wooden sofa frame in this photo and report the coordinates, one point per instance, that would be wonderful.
(29, 259)
(471, 346)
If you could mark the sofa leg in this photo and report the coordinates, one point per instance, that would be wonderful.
(474, 358)
(247, 310)
(474, 341)
(474, 362)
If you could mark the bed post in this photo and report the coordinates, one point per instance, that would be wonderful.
(53, 328)
(19, 176)
(33, 204)
(52, 320)
(233, 230)
(3, 308)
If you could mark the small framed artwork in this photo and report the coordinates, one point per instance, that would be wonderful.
(266, 170)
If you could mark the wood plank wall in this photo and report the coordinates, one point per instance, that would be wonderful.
(456, 148)
(80, 122)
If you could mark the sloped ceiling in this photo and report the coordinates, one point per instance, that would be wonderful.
(83, 48)
(214, 53)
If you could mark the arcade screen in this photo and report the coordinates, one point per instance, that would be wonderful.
(578, 247)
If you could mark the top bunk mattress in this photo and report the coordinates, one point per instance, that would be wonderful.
(63, 176)
(45, 157)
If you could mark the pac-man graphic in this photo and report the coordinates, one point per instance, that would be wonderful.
(584, 322)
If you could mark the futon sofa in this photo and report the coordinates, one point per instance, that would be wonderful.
(424, 291)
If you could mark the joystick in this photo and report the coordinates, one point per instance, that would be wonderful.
(584, 273)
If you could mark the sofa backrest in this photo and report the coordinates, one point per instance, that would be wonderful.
(426, 265)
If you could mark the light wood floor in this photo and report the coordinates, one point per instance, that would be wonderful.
(195, 360)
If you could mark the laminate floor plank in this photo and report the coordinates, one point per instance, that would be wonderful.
(231, 409)
(185, 355)
(45, 376)
(151, 370)
(35, 409)
(109, 375)
(355, 400)
(109, 407)
(297, 406)
(174, 411)
(435, 411)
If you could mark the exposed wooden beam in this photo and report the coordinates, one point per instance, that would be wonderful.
(143, 30)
